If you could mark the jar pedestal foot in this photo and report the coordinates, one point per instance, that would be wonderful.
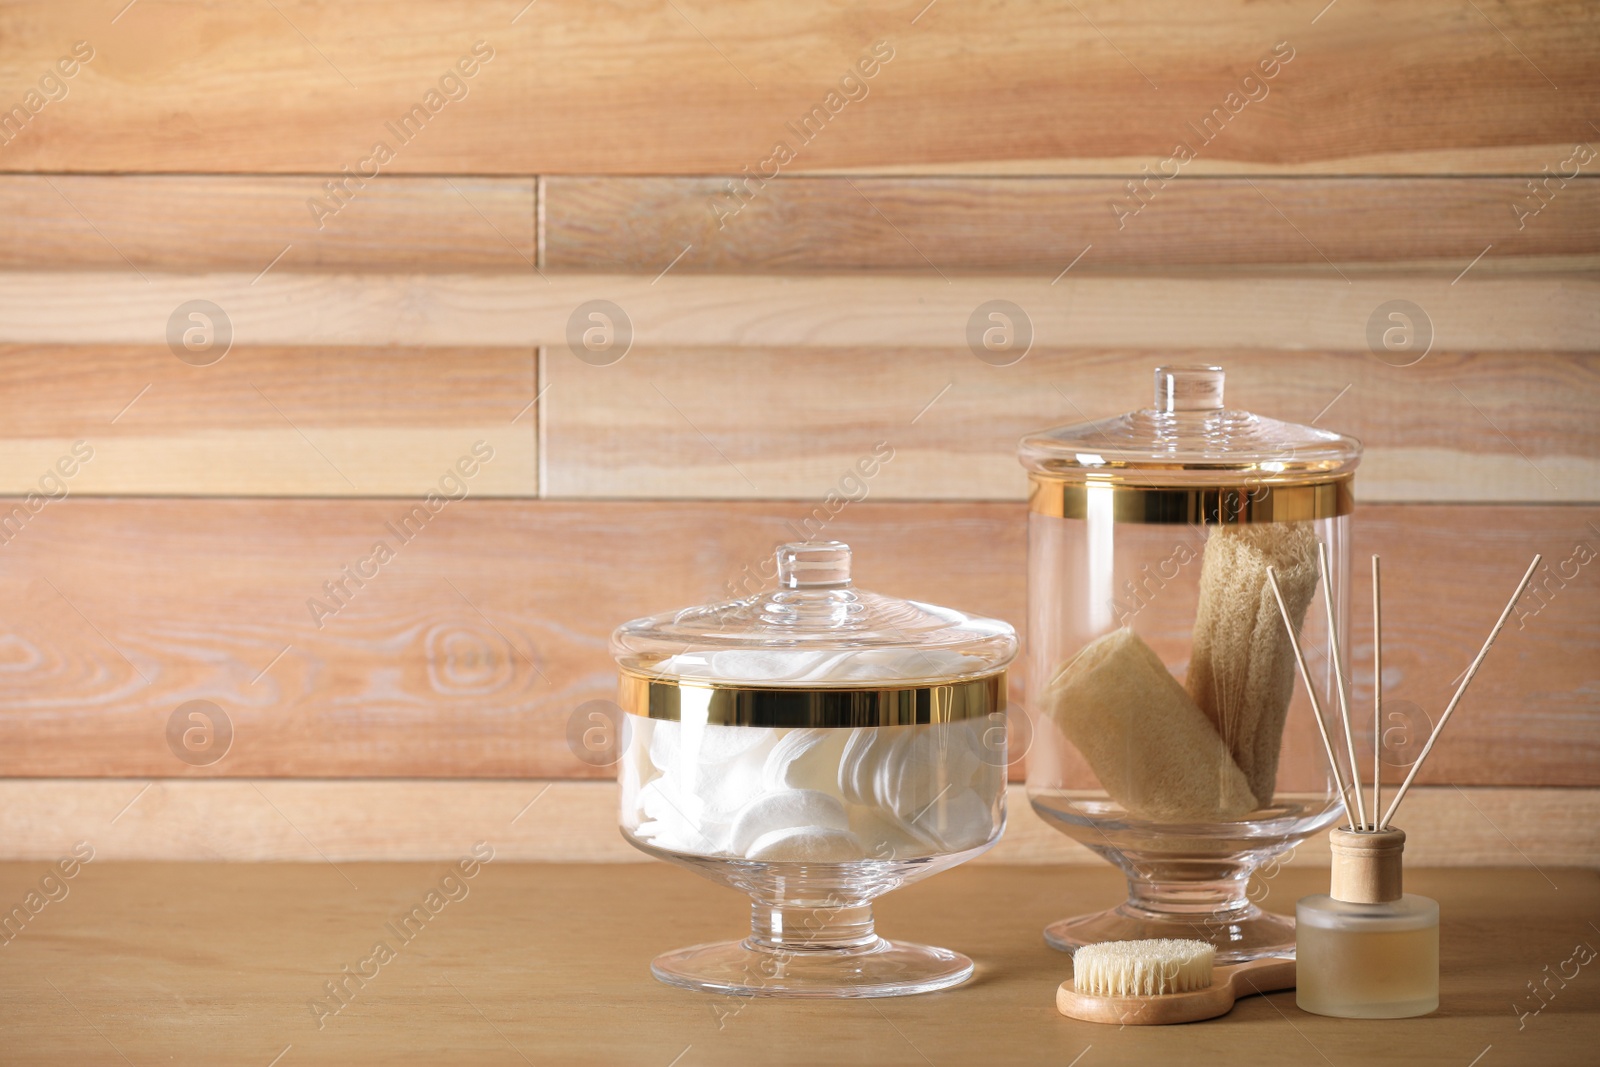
(812, 952)
(1217, 912)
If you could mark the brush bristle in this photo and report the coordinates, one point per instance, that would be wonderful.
(1142, 968)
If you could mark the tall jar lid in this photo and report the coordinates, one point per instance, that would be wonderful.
(1188, 434)
(815, 651)
(1221, 464)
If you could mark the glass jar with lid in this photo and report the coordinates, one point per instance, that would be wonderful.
(1171, 733)
(815, 747)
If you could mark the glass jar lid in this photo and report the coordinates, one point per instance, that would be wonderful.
(1187, 434)
(1221, 464)
(816, 651)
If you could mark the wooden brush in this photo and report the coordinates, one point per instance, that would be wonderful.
(1153, 983)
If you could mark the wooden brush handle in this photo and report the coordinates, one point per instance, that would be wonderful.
(1266, 975)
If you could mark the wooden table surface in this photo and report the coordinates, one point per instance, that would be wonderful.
(217, 963)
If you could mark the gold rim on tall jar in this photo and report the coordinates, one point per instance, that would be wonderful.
(1202, 504)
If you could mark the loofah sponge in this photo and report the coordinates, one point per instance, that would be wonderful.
(1241, 666)
(1152, 749)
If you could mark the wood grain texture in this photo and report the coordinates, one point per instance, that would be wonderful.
(740, 422)
(469, 651)
(699, 423)
(265, 421)
(418, 820)
(619, 224)
(547, 963)
(1310, 310)
(1021, 85)
(1042, 225)
(226, 222)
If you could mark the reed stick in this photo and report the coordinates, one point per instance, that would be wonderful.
(1338, 683)
(1311, 691)
(1394, 805)
(1377, 694)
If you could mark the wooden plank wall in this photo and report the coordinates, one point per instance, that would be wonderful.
(658, 87)
(1244, 183)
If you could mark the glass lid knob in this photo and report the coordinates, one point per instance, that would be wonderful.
(1188, 389)
(814, 565)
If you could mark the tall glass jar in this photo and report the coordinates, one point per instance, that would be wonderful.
(814, 747)
(1170, 732)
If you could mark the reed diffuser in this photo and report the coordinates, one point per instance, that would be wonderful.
(1367, 949)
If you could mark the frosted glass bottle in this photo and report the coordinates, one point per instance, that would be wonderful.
(1367, 950)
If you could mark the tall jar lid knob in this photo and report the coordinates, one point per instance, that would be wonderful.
(1188, 389)
(814, 565)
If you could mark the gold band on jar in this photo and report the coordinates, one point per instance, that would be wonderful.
(740, 705)
(1210, 505)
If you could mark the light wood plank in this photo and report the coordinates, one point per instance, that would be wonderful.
(1041, 225)
(1297, 311)
(1454, 427)
(730, 423)
(302, 87)
(470, 650)
(622, 224)
(530, 821)
(220, 963)
(264, 421)
(226, 222)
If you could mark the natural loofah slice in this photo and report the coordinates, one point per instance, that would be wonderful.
(1241, 666)
(1151, 748)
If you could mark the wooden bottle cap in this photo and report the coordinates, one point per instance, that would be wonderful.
(1366, 866)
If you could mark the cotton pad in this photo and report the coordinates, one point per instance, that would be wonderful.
(805, 759)
(728, 787)
(925, 763)
(721, 744)
(784, 810)
(961, 820)
(886, 838)
(860, 763)
(806, 844)
(678, 820)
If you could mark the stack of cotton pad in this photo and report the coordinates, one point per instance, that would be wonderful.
(813, 795)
